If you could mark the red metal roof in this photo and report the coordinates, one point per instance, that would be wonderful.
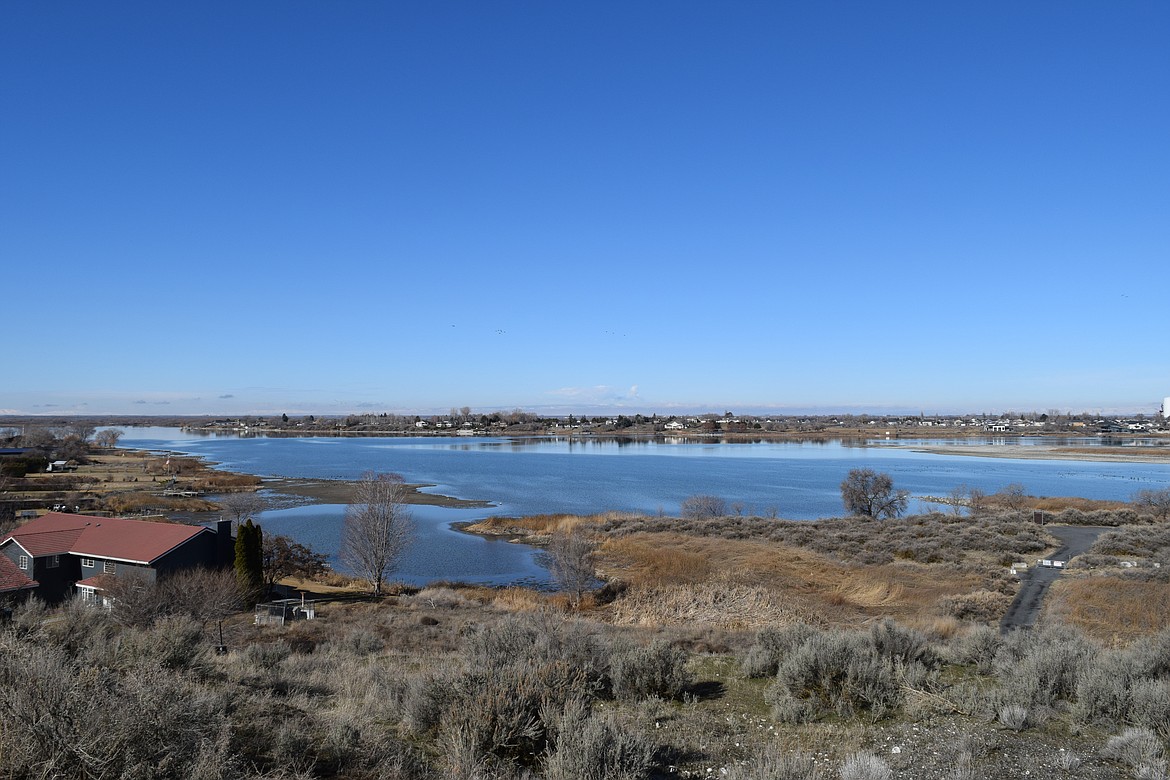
(98, 581)
(12, 578)
(138, 541)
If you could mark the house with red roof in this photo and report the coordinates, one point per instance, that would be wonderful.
(58, 555)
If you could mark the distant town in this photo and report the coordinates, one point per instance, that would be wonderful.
(464, 422)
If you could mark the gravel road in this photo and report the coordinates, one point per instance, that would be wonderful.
(1034, 584)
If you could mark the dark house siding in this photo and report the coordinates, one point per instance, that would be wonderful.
(120, 569)
(198, 551)
(56, 582)
(13, 551)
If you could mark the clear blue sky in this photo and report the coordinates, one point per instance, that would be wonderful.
(323, 207)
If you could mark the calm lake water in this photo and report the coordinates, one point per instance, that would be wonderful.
(797, 480)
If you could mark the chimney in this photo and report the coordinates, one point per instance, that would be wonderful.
(225, 545)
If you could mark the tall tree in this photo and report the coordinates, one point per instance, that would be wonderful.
(867, 493)
(250, 558)
(377, 529)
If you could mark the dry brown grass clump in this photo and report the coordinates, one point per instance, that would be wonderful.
(220, 481)
(1111, 609)
(727, 605)
(138, 502)
(1061, 503)
(540, 525)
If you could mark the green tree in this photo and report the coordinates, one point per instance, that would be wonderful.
(250, 558)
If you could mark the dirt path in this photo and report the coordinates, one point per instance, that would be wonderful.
(1025, 610)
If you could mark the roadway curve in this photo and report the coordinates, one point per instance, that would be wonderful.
(1034, 583)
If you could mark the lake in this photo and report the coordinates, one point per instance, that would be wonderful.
(796, 480)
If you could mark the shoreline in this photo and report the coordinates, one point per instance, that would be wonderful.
(310, 489)
(340, 491)
(313, 491)
(1100, 454)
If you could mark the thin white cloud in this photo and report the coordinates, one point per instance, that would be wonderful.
(597, 394)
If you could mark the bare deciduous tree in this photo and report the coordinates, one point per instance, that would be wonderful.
(957, 499)
(977, 500)
(867, 493)
(108, 438)
(571, 562)
(39, 437)
(377, 528)
(1155, 502)
(240, 506)
(1013, 496)
(207, 595)
(82, 429)
(135, 598)
(703, 507)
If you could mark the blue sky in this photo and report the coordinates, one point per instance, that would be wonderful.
(221, 208)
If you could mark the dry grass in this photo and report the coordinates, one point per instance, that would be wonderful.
(538, 525)
(136, 503)
(1111, 609)
(674, 578)
(1061, 503)
(328, 584)
(724, 605)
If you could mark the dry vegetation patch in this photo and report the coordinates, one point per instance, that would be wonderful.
(1061, 503)
(1111, 609)
(996, 538)
(676, 579)
(536, 528)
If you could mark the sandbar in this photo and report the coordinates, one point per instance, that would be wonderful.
(1154, 454)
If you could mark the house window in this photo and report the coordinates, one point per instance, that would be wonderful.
(53, 562)
(87, 563)
(23, 563)
(109, 567)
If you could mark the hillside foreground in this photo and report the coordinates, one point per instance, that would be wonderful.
(730, 647)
